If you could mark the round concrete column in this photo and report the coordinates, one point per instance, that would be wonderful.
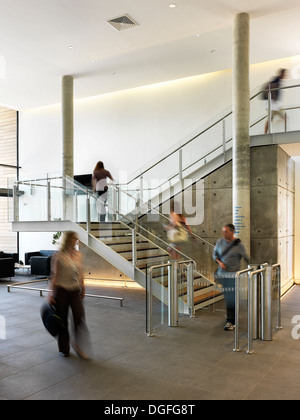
(241, 136)
(67, 125)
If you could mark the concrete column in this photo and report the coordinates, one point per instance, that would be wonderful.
(241, 122)
(67, 125)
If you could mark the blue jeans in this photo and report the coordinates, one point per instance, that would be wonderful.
(228, 284)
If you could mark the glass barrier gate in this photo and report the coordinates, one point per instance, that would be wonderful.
(258, 302)
(257, 297)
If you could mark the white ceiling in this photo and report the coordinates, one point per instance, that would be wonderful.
(167, 44)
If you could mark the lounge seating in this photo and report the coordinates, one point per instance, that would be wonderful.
(7, 264)
(40, 262)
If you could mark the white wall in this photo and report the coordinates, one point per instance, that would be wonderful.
(127, 129)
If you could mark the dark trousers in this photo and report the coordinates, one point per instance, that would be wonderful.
(65, 299)
(229, 294)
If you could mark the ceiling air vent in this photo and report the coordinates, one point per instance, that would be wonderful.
(122, 22)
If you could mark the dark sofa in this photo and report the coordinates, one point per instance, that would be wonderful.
(7, 264)
(40, 262)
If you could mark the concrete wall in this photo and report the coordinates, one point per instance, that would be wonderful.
(272, 212)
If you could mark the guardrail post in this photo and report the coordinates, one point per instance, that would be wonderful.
(190, 288)
(88, 214)
(270, 110)
(180, 166)
(266, 305)
(173, 294)
(277, 267)
(224, 138)
(149, 317)
(48, 201)
(134, 256)
(16, 202)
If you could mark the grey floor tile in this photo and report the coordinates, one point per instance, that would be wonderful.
(192, 362)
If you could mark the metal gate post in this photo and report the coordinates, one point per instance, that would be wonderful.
(266, 305)
(237, 307)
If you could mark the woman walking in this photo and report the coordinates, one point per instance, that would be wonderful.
(68, 291)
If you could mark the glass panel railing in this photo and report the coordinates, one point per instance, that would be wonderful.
(211, 141)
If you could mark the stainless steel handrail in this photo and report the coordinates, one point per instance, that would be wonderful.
(41, 290)
(204, 131)
(162, 215)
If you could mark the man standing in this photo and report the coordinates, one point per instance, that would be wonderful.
(228, 253)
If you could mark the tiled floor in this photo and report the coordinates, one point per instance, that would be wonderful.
(192, 362)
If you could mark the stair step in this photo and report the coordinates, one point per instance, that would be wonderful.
(144, 253)
(111, 233)
(127, 247)
(121, 240)
(207, 300)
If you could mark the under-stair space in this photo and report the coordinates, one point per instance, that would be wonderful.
(118, 237)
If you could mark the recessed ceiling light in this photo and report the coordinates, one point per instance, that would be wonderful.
(71, 47)
(173, 5)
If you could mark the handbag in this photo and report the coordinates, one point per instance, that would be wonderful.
(232, 244)
(177, 234)
(52, 322)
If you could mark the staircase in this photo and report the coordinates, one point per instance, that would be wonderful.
(127, 245)
(117, 237)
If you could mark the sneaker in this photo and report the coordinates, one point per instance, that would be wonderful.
(229, 326)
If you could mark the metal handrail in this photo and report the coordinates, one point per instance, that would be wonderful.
(41, 290)
(163, 215)
(90, 194)
(204, 131)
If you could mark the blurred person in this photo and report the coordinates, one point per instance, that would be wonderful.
(68, 290)
(276, 105)
(100, 175)
(228, 253)
(178, 231)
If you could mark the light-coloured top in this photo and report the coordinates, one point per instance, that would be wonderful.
(68, 271)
